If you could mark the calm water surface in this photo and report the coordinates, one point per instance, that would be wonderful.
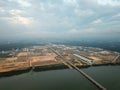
(108, 76)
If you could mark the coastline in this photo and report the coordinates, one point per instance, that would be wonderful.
(47, 68)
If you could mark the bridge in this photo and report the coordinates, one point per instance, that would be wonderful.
(99, 86)
(116, 58)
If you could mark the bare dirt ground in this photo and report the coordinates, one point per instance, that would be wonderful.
(14, 63)
(102, 57)
(42, 58)
(12, 66)
(95, 58)
(22, 54)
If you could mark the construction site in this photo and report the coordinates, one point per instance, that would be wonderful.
(36, 56)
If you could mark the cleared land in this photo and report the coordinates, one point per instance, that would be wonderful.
(42, 55)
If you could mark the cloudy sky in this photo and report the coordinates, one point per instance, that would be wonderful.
(59, 18)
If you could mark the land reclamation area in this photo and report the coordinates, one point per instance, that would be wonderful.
(49, 56)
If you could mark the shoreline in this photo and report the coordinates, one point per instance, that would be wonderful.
(47, 68)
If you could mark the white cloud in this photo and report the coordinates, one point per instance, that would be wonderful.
(42, 7)
(98, 21)
(15, 16)
(26, 21)
(86, 12)
(73, 3)
(2, 10)
(109, 2)
(24, 3)
(21, 20)
(15, 12)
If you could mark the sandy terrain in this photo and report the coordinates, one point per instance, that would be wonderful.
(11, 59)
(95, 58)
(42, 58)
(12, 66)
(22, 54)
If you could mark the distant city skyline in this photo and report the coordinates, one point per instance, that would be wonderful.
(59, 19)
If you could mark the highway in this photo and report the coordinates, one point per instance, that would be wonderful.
(99, 86)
